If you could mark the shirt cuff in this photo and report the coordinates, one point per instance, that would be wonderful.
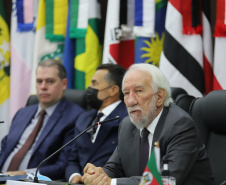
(113, 181)
(72, 175)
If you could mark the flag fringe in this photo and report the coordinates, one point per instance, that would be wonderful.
(220, 30)
(192, 30)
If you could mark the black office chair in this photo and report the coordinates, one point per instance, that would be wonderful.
(72, 95)
(176, 91)
(181, 98)
(209, 114)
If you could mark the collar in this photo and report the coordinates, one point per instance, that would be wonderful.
(48, 110)
(107, 110)
(152, 126)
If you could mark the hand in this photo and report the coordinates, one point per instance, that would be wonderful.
(95, 176)
(77, 179)
(16, 173)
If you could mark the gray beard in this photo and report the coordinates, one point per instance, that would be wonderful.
(146, 119)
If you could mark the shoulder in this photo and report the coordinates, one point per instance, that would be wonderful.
(70, 107)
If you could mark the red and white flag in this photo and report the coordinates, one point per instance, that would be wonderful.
(118, 39)
(185, 48)
(219, 81)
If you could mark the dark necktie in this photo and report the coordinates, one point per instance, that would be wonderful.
(144, 150)
(18, 157)
(92, 131)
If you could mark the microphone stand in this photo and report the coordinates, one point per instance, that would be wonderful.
(36, 172)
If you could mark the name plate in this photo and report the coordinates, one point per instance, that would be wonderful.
(12, 182)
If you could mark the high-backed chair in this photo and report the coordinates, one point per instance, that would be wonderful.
(209, 114)
(72, 95)
(181, 98)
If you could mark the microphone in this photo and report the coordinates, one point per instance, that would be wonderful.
(54, 153)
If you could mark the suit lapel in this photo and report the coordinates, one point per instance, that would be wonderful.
(23, 122)
(105, 129)
(159, 127)
(51, 123)
(134, 144)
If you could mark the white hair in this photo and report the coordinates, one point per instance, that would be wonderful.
(159, 81)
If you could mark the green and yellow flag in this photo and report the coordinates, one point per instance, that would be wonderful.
(4, 71)
(88, 48)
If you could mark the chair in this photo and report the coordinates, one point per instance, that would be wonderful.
(181, 98)
(209, 114)
(176, 91)
(72, 95)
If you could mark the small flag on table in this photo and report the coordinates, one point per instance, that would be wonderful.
(151, 175)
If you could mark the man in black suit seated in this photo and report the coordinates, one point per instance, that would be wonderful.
(147, 98)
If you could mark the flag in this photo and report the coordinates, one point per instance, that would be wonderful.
(149, 45)
(182, 57)
(219, 82)
(69, 53)
(118, 38)
(56, 19)
(207, 47)
(25, 19)
(4, 72)
(88, 49)
(151, 175)
(22, 49)
(44, 48)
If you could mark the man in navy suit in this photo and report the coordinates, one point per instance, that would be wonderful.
(104, 95)
(56, 130)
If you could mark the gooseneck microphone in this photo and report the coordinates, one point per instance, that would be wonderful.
(36, 172)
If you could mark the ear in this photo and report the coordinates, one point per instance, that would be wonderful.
(114, 90)
(161, 96)
(64, 81)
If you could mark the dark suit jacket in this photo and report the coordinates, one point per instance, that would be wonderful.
(58, 131)
(97, 153)
(179, 146)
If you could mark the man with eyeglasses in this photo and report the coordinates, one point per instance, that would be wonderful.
(39, 130)
(105, 97)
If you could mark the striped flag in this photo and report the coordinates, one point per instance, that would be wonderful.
(149, 45)
(219, 82)
(56, 19)
(44, 49)
(88, 49)
(118, 38)
(151, 175)
(207, 47)
(182, 56)
(4, 72)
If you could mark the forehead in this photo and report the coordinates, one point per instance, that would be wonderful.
(47, 72)
(137, 78)
(99, 75)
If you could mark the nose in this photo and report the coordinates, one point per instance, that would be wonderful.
(131, 100)
(43, 85)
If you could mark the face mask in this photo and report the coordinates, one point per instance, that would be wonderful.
(91, 98)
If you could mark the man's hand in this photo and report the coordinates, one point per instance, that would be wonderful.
(16, 173)
(77, 179)
(95, 176)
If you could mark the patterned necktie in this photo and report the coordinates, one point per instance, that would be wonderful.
(92, 131)
(144, 150)
(18, 157)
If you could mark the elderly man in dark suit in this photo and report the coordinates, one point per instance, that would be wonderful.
(105, 97)
(147, 97)
(39, 130)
